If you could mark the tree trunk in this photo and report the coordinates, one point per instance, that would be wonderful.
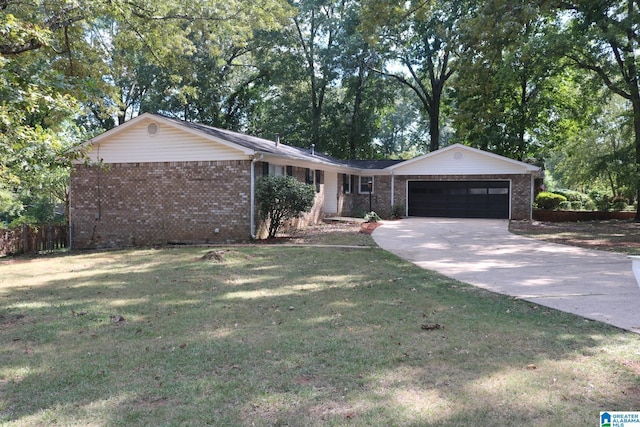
(434, 114)
(636, 128)
(354, 132)
(434, 128)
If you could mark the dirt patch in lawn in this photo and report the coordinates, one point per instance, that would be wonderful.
(612, 235)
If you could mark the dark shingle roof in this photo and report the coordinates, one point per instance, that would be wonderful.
(373, 164)
(260, 145)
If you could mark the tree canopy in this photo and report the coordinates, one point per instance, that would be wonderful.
(551, 82)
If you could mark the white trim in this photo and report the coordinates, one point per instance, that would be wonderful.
(373, 184)
(347, 177)
(531, 197)
(526, 166)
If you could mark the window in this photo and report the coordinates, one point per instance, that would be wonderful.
(364, 184)
(289, 170)
(498, 191)
(269, 169)
(308, 176)
(318, 180)
(478, 190)
(276, 170)
(346, 184)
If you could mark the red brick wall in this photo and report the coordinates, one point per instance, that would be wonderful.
(380, 197)
(134, 204)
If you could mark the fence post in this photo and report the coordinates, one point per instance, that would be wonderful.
(70, 236)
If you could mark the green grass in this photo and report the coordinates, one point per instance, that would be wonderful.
(292, 336)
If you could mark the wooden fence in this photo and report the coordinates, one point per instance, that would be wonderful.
(31, 239)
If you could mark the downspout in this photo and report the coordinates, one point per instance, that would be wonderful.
(253, 194)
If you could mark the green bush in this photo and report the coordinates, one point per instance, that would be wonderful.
(372, 217)
(564, 206)
(590, 206)
(397, 211)
(576, 205)
(619, 203)
(549, 201)
(574, 196)
(601, 199)
(282, 198)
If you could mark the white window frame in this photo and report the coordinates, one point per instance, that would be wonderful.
(364, 180)
(346, 189)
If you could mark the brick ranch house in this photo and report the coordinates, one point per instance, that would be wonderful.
(157, 180)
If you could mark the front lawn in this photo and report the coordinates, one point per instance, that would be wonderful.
(611, 235)
(292, 336)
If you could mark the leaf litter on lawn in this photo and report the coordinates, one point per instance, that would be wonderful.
(215, 343)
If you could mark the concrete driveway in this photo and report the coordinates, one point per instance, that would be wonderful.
(594, 284)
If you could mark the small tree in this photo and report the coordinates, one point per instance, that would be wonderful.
(282, 198)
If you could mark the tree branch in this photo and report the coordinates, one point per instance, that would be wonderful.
(601, 73)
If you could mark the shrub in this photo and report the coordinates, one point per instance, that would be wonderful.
(576, 205)
(372, 217)
(549, 201)
(282, 198)
(397, 211)
(601, 199)
(564, 206)
(574, 196)
(590, 206)
(619, 203)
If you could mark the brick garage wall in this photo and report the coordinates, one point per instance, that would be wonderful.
(136, 204)
(521, 203)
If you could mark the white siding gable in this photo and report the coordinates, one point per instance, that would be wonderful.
(168, 144)
(461, 160)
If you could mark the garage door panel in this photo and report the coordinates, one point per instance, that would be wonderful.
(459, 199)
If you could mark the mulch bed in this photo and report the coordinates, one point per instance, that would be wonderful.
(368, 227)
(616, 235)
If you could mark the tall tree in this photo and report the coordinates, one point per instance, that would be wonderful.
(604, 38)
(401, 127)
(316, 26)
(419, 41)
(596, 155)
(505, 97)
(57, 56)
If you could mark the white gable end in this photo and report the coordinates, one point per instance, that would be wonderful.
(460, 160)
(150, 141)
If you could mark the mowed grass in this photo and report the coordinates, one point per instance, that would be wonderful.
(292, 336)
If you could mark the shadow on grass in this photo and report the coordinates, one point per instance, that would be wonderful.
(292, 336)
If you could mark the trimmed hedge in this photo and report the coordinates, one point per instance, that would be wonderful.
(549, 201)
